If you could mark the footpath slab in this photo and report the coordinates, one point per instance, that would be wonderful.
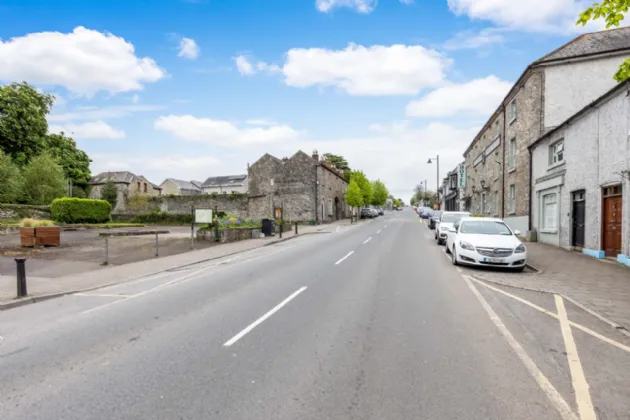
(600, 286)
(41, 288)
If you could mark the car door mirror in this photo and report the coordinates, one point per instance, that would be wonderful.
(452, 230)
(517, 232)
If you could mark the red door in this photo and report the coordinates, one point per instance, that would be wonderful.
(612, 221)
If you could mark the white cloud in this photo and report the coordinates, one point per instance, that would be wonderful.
(363, 71)
(83, 113)
(223, 133)
(244, 66)
(361, 6)
(84, 62)
(472, 40)
(554, 16)
(88, 130)
(188, 48)
(477, 97)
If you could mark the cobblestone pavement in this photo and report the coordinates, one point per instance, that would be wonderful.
(602, 286)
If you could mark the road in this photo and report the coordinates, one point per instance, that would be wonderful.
(369, 322)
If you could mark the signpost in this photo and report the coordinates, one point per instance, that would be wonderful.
(200, 216)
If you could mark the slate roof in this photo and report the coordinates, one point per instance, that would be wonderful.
(197, 184)
(220, 181)
(592, 43)
(184, 185)
(121, 177)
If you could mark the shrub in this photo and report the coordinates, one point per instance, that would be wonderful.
(36, 223)
(81, 210)
(109, 193)
(43, 180)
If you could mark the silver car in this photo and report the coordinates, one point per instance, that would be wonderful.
(446, 221)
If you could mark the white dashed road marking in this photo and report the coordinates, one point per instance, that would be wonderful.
(367, 240)
(342, 260)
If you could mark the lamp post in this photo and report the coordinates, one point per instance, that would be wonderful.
(437, 160)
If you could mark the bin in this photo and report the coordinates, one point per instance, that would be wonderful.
(268, 227)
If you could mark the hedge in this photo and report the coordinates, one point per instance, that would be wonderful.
(80, 210)
(163, 218)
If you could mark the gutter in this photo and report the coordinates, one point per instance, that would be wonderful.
(503, 164)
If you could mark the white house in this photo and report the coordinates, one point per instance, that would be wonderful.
(581, 179)
(181, 187)
(226, 184)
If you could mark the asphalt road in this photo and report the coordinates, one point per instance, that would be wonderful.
(370, 322)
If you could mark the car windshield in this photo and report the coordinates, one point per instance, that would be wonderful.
(451, 217)
(485, 227)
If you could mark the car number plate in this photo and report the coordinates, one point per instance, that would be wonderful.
(494, 260)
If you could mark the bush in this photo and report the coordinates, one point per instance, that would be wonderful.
(36, 223)
(81, 210)
(109, 193)
(44, 180)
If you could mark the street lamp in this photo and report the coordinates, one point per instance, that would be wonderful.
(437, 160)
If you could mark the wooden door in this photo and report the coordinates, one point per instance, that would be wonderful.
(612, 221)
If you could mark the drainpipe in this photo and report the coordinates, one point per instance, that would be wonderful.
(316, 197)
(503, 162)
(529, 222)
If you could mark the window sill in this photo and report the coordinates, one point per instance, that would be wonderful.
(511, 213)
(555, 165)
(512, 120)
(549, 231)
(512, 170)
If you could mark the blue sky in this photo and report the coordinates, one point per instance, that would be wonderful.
(199, 88)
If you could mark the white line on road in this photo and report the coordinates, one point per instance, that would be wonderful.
(342, 260)
(378, 232)
(102, 295)
(263, 318)
(367, 240)
(551, 314)
(384, 226)
(580, 385)
(337, 230)
(552, 393)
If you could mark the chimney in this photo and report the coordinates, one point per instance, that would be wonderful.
(316, 155)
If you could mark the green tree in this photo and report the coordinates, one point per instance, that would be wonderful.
(75, 162)
(109, 193)
(12, 181)
(364, 185)
(338, 161)
(44, 180)
(353, 194)
(23, 125)
(78, 192)
(379, 193)
(613, 12)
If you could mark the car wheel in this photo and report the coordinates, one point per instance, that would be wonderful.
(440, 242)
(454, 257)
(448, 251)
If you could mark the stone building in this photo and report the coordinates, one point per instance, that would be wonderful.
(581, 179)
(306, 188)
(172, 186)
(548, 92)
(127, 184)
(226, 184)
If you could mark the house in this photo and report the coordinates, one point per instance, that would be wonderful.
(225, 184)
(450, 190)
(127, 184)
(547, 93)
(305, 187)
(581, 179)
(174, 186)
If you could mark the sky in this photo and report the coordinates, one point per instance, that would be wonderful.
(191, 89)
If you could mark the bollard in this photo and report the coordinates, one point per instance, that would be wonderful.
(21, 277)
(157, 253)
(296, 229)
(106, 251)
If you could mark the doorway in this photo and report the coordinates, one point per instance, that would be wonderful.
(579, 218)
(611, 225)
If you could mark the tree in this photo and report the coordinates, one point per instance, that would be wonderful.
(364, 185)
(354, 197)
(613, 12)
(379, 193)
(44, 180)
(75, 162)
(109, 193)
(23, 125)
(338, 161)
(12, 181)
(139, 203)
(78, 192)
(396, 203)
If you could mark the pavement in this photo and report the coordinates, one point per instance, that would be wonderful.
(368, 322)
(51, 278)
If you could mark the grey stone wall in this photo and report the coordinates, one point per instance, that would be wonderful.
(331, 194)
(121, 198)
(19, 211)
(233, 205)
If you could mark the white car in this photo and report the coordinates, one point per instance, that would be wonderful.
(485, 242)
(445, 222)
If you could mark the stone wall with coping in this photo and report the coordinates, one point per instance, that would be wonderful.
(20, 211)
(232, 204)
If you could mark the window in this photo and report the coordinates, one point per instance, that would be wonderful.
(138, 185)
(483, 171)
(512, 198)
(512, 153)
(330, 207)
(496, 129)
(556, 152)
(483, 203)
(145, 187)
(485, 227)
(496, 202)
(513, 110)
(550, 211)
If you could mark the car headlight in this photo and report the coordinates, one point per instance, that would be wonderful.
(443, 228)
(466, 245)
(520, 249)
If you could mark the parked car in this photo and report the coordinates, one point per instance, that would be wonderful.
(485, 242)
(434, 218)
(446, 221)
(381, 212)
(367, 214)
(374, 212)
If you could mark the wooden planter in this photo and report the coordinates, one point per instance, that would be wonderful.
(47, 236)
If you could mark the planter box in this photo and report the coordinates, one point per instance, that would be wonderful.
(47, 236)
(228, 235)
